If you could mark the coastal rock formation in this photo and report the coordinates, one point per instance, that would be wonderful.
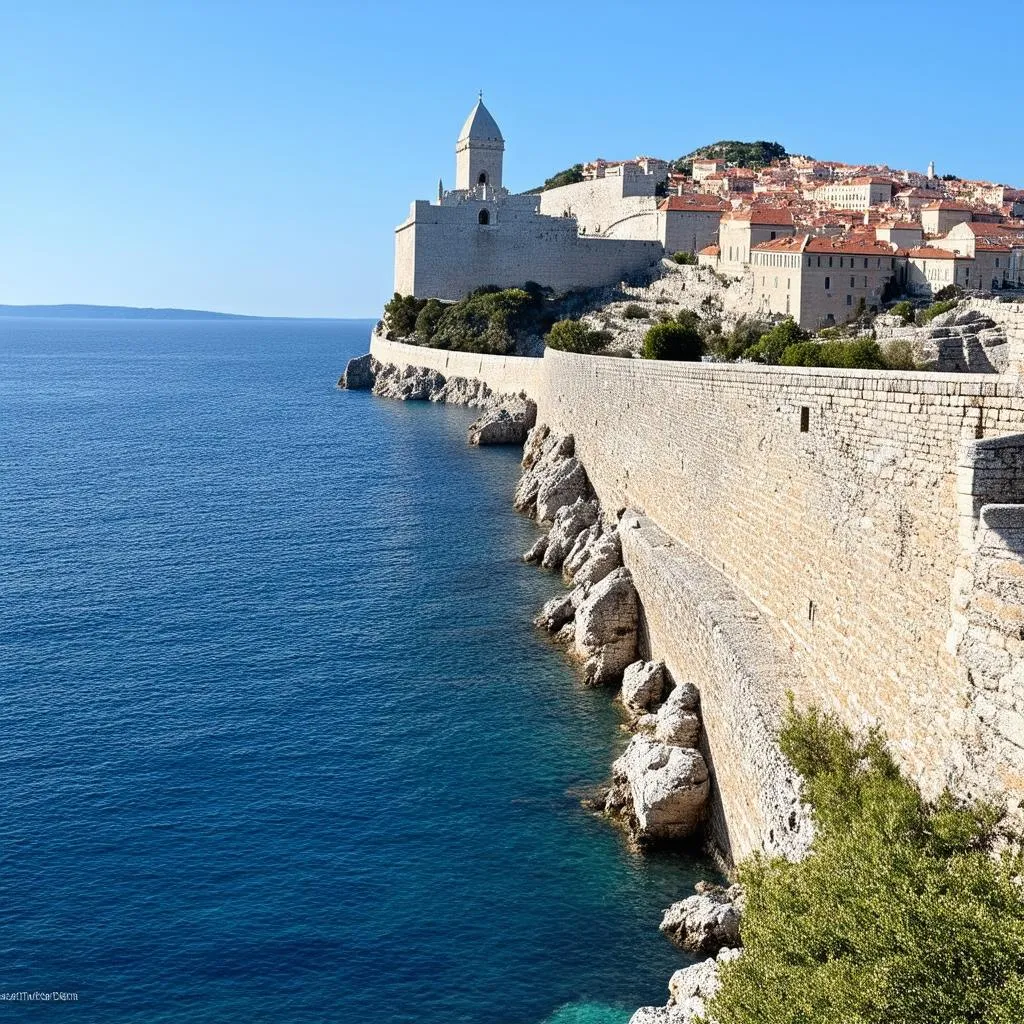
(569, 522)
(643, 686)
(660, 1015)
(689, 988)
(556, 613)
(661, 791)
(706, 922)
(565, 483)
(606, 628)
(544, 455)
(507, 423)
(359, 374)
(692, 987)
(537, 549)
(677, 721)
(597, 559)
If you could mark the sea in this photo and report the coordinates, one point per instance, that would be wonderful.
(278, 741)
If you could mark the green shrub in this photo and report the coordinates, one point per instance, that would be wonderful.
(905, 310)
(899, 913)
(673, 341)
(400, 315)
(634, 312)
(926, 316)
(859, 354)
(770, 347)
(570, 176)
(575, 336)
(689, 319)
(487, 321)
(730, 347)
(898, 354)
(687, 259)
(428, 320)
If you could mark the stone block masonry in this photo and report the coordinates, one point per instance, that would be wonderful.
(508, 375)
(855, 537)
(832, 502)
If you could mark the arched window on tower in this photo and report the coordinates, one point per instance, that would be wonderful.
(482, 180)
(485, 217)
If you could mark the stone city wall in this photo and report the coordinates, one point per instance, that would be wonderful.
(854, 537)
(445, 254)
(832, 503)
(503, 374)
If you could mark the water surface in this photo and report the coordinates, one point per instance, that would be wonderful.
(279, 741)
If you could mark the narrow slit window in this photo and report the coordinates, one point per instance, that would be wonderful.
(805, 418)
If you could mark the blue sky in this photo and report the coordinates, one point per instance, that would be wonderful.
(255, 157)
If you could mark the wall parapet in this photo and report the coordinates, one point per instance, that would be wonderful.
(502, 374)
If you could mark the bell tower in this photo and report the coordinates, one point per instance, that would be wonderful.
(478, 152)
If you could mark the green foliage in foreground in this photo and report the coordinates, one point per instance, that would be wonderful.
(686, 259)
(900, 912)
(575, 336)
(672, 340)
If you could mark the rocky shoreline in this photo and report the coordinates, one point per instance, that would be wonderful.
(505, 419)
(659, 787)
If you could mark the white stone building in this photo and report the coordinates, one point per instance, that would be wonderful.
(480, 234)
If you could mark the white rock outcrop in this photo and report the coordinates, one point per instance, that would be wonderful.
(507, 423)
(706, 922)
(569, 522)
(661, 790)
(598, 560)
(643, 686)
(606, 628)
(678, 719)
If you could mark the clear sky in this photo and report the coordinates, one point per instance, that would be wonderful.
(254, 157)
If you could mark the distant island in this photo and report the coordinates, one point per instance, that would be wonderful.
(80, 312)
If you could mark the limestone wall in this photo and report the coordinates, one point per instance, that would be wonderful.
(503, 374)
(444, 252)
(854, 537)
(831, 501)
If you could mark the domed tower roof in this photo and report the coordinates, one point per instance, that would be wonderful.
(480, 126)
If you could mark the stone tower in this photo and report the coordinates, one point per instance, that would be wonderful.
(478, 153)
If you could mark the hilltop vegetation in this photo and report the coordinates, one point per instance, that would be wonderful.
(742, 154)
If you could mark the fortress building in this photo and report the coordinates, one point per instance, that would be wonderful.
(479, 233)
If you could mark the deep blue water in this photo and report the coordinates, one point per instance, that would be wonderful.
(277, 739)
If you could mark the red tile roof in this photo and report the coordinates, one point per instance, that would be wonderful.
(693, 203)
(710, 250)
(926, 252)
(764, 215)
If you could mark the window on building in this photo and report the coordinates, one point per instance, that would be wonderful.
(485, 217)
(830, 261)
(805, 418)
(865, 263)
(482, 180)
(853, 281)
(771, 236)
(849, 300)
(828, 283)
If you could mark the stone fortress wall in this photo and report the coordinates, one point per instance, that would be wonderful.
(854, 537)
(505, 375)
(441, 252)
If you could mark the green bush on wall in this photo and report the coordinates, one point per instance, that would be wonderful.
(901, 912)
(672, 340)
